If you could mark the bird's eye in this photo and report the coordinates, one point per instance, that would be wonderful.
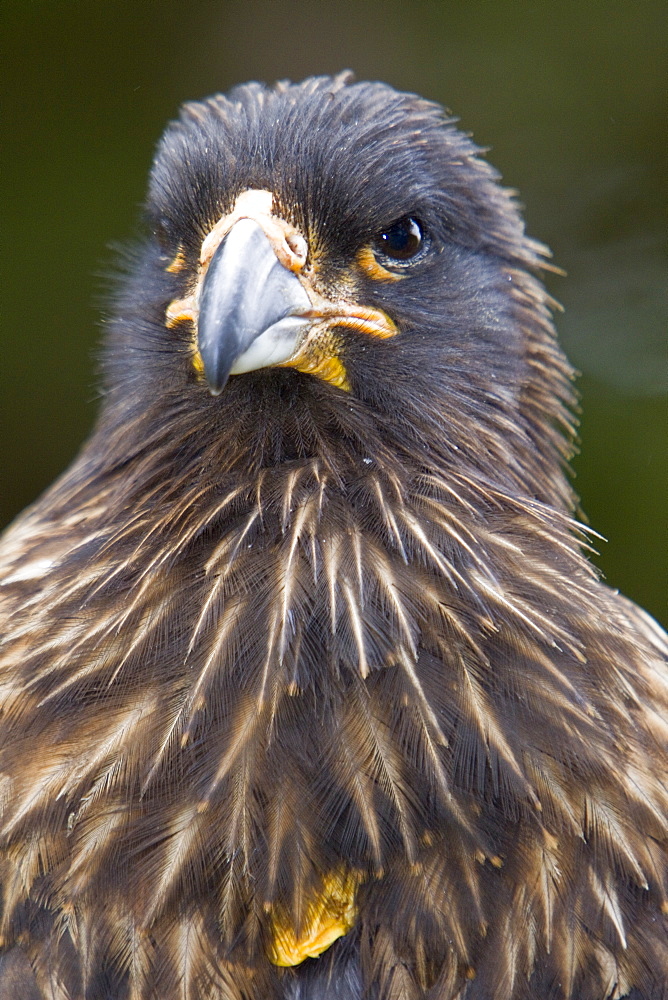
(402, 241)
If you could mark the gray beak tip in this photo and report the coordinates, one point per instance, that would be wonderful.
(251, 309)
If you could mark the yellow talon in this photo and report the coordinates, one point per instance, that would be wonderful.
(328, 917)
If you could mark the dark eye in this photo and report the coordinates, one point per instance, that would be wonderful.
(402, 241)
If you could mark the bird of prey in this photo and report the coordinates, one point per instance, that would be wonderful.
(308, 689)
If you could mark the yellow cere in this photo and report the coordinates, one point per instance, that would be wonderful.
(329, 916)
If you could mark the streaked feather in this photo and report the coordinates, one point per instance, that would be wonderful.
(294, 637)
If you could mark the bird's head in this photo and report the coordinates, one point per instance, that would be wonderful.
(334, 262)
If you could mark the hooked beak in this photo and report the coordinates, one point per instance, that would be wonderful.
(255, 305)
(253, 312)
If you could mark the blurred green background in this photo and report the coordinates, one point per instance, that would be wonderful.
(569, 97)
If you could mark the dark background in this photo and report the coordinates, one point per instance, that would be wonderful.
(570, 98)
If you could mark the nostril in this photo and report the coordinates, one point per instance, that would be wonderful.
(298, 246)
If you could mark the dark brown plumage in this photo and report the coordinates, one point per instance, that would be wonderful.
(308, 660)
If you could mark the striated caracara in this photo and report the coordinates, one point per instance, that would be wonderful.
(307, 689)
